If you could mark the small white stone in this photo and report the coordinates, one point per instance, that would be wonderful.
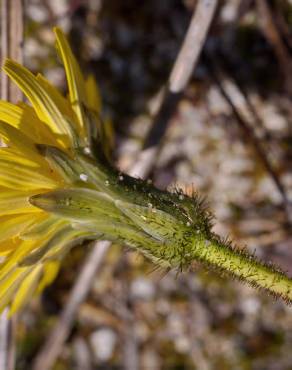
(181, 197)
(250, 305)
(142, 288)
(37, 12)
(188, 223)
(86, 150)
(182, 344)
(121, 177)
(83, 177)
(106, 183)
(103, 342)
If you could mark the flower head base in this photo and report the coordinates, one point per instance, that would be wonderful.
(58, 189)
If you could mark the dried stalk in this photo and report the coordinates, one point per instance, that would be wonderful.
(269, 27)
(252, 139)
(183, 68)
(11, 47)
(11, 44)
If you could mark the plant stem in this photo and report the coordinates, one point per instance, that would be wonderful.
(243, 266)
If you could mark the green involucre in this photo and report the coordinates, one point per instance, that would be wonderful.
(172, 229)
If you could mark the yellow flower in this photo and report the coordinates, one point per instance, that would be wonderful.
(58, 189)
(31, 239)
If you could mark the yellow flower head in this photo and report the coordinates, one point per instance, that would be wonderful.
(32, 240)
(57, 188)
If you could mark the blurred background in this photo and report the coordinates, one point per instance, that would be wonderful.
(239, 96)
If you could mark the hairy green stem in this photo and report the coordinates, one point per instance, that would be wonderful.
(244, 267)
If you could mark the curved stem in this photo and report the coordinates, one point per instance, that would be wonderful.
(244, 267)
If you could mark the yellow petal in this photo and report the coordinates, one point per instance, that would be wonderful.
(18, 140)
(14, 202)
(24, 118)
(11, 155)
(8, 246)
(11, 113)
(19, 176)
(11, 264)
(9, 286)
(12, 226)
(46, 234)
(75, 80)
(93, 95)
(50, 271)
(108, 139)
(26, 289)
(61, 102)
(37, 163)
(42, 133)
(44, 104)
